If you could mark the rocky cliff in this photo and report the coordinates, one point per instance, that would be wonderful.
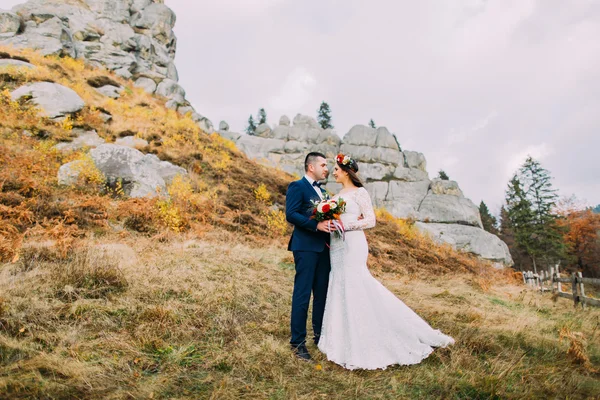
(133, 38)
(397, 179)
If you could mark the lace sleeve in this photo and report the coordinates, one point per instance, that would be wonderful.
(366, 208)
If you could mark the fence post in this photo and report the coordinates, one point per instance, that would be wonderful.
(532, 279)
(559, 284)
(542, 276)
(523, 274)
(574, 289)
(552, 278)
(581, 290)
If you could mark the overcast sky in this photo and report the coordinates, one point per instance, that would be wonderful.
(475, 85)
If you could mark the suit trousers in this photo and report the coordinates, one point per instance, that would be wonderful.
(312, 275)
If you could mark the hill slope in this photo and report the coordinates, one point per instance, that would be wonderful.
(102, 296)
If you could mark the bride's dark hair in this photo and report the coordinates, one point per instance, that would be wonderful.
(351, 167)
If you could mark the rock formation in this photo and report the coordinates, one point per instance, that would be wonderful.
(396, 179)
(142, 174)
(133, 38)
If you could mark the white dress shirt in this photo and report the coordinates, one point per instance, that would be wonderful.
(317, 189)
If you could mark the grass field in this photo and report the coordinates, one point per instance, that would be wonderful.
(192, 318)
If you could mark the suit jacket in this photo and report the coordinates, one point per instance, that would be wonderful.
(298, 210)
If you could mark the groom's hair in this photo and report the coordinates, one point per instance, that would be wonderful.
(310, 158)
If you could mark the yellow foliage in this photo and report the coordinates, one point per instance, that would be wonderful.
(223, 160)
(170, 215)
(221, 141)
(276, 222)
(180, 188)
(262, 194)
(67, 124)
(75, 65)
(406, 227)
(88, 172)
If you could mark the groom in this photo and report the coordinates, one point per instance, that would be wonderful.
(309, 244)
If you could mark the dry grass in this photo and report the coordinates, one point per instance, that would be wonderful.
(197, 318)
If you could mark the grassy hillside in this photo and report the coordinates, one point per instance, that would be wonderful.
(102, 296)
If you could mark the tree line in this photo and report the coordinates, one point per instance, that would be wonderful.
(323, 118)
(541, 230)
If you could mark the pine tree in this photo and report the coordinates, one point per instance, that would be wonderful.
(538, 188)
(324, 116)
(488, 220)
(372, 124)
(507, 234)
(596, 209)
(251, 126)
(530, 201)
(442, 175)
(521, 218)
(262, 116)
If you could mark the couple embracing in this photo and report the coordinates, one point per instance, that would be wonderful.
(356, 321)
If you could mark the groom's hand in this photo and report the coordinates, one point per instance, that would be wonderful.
(324, 226)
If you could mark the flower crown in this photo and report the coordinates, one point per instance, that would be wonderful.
(346, 161)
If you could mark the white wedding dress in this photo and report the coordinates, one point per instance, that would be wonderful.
(365, 326)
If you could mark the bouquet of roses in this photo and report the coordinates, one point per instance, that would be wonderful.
(330, 210)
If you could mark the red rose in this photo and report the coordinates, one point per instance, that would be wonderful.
(314, 211)
(326, 208)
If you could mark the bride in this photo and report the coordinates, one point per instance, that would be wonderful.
(365, 326)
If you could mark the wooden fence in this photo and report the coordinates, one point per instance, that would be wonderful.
(553, 279)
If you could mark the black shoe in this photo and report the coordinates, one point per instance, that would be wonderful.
(316, 339)
(301, 352)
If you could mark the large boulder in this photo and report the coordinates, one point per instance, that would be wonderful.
(470, 239)
(147, 84)
(370, 145)
(131, 141)
(449, 208)
(10, 63)
(223, 126)
(263, 130)
(142, 174)
(284, 120)
(404, 198)
(84, 139)
(10, 23)
(54, 100)
(68, 173)
(255, 147)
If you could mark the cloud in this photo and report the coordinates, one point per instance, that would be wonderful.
(538, 152)
(296, 90)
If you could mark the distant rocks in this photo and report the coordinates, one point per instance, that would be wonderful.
(223, 126)
(396, 179)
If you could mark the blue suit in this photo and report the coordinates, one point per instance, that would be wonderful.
(311, 256)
